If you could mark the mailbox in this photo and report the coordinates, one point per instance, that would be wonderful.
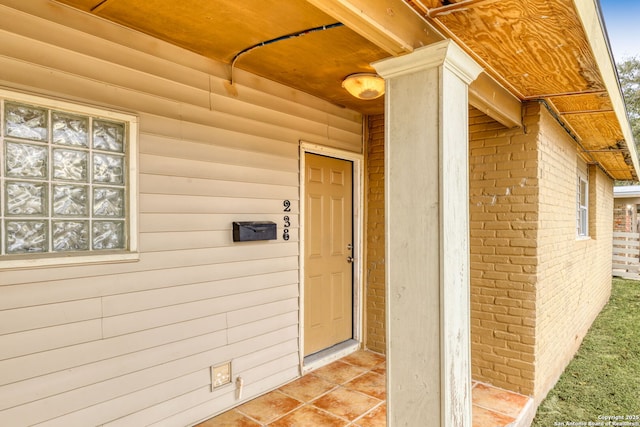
(249, 231)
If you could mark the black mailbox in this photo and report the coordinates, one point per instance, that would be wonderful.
(249, 231)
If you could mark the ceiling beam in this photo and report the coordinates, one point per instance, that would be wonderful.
(568, 113)
(564, 94)
(488, 96)
(395, 27)
(391, 25)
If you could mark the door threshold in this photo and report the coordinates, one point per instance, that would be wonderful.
(328, 355)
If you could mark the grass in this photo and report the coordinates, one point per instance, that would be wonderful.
(604, 377)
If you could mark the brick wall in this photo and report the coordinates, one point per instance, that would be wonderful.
(625, 214)
(621, 217)
(535, 287)
(375, 289)
(503, 195)
(574, 280)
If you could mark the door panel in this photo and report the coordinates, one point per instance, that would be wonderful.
(328, 293)
(316, 293)
(313, 245)
(337, 232)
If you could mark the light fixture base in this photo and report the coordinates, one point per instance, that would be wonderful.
(365, 86)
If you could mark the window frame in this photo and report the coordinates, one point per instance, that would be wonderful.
(582, 207)
(130, 152)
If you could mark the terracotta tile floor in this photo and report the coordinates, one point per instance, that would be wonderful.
(351, 392)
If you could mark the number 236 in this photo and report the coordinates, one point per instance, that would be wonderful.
(287, 220)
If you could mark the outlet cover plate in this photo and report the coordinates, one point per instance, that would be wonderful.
(220, 375)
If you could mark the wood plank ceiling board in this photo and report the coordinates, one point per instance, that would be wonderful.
(424, 5)
(539, 50)
(597, 101)
(537, 46)
(213, 28)
(390, 24)
(602, 140)
(335, 54)
(536, 49)
(615, 163)
(315, 63)
(597, 130)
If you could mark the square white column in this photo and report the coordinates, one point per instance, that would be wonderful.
(427, 236)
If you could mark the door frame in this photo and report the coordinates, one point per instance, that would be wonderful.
(357, 160)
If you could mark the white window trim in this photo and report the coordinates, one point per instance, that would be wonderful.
(582, 208)
(130, 254)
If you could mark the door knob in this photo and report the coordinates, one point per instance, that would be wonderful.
(349, 259)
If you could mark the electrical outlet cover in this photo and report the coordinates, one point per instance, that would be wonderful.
(221, 375)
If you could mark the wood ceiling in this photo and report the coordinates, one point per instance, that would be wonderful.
(539, 50)
(536, 49)
(219, 29)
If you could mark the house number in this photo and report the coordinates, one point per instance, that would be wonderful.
(287, 220)
(287, 224)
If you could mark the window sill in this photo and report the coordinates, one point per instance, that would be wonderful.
(22, 262)
(580, 238)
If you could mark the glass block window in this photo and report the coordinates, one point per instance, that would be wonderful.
(64, 180)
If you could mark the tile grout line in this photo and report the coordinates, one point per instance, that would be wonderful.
(336, 387)
(247, 416)
(343, 385)
(493, 410)
(382, 402)
(378, 402)
(520, 408)
(306, 403)
(332, 414)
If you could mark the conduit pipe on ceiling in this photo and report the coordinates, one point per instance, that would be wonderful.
(281, 38)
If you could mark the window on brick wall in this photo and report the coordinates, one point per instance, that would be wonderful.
(65, 179)
(582, 206)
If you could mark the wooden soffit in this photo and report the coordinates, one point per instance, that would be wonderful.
(550, 51)
(315, 62)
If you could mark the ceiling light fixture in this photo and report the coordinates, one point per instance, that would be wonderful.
(364, 85)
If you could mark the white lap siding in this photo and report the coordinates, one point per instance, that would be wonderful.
(131, 344)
